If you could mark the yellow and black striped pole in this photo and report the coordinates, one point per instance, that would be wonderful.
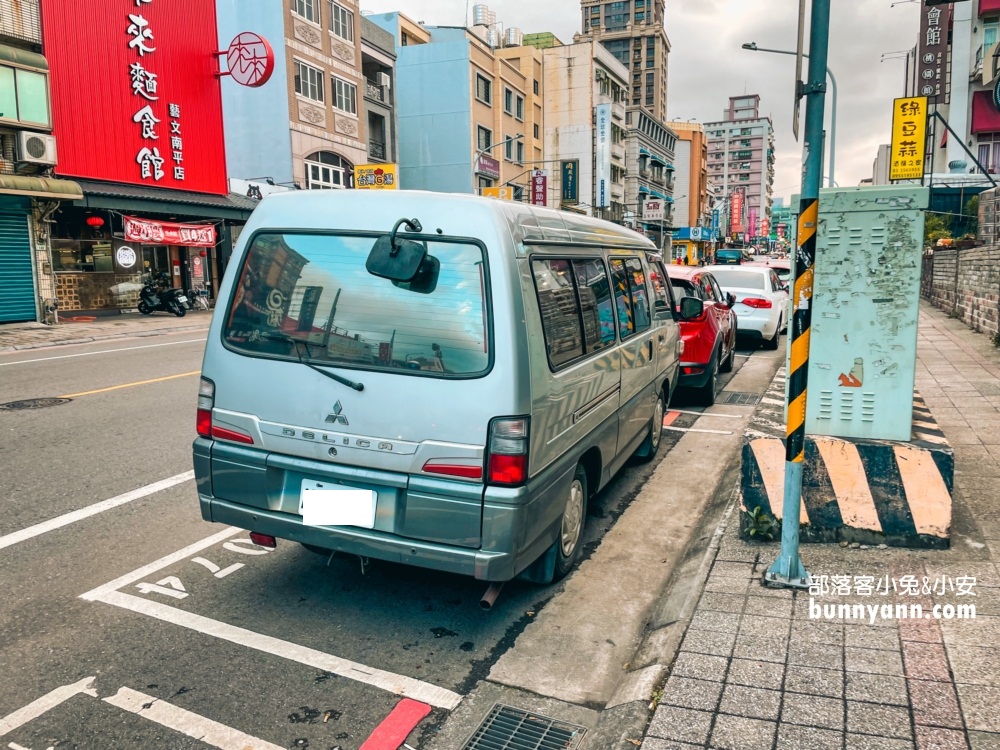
(788, 569)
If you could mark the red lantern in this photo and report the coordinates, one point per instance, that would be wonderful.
(95, 221)
(203, 254)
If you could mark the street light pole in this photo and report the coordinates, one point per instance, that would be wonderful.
(480, 152)
(752, 46)
(787, 569)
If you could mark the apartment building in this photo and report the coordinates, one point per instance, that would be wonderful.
(633, 31)
(691, 189)
(309, 126)
(649, 173)
(741, 161)
(482, 128)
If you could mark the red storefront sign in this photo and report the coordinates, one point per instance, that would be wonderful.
(135, 97)
(167, 233)
(539, 187)
(736, 211)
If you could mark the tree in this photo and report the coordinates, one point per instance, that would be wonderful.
(935, 228)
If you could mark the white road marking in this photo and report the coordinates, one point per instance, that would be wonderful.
(393, 683)
(692, 429)
(48, 701)
(184, 721)
(91, 510)
(105, 351)
(708, 414)
(145, 570)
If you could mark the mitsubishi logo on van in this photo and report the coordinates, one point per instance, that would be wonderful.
(337, 417)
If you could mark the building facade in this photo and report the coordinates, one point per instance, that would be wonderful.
(692, 212)
(28, 193)
(585, 130)
(649, 175)
(741, 161)
(378, 62)
(633, 31)
(478, 132)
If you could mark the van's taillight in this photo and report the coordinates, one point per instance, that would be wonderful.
(507, 457)
(206, 400)
(454, 470)
(760, 303)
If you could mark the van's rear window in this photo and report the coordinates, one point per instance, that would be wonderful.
(310, 296)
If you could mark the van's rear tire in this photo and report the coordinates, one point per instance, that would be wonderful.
(570, 539)
(651, 444)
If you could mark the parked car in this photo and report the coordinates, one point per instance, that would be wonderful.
(710, 339)
(446, 391)
(730, 256)
(782, 266)
(761, 300)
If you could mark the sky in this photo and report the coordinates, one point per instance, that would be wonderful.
(707, 64)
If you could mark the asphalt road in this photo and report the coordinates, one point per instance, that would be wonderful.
(134, 624)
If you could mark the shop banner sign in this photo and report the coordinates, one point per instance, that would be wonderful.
(653, 210)
(602, 155)
(569, 188)
(166, 233)
(539, 187)
(736, 211)
(909, 128)
(375, 177)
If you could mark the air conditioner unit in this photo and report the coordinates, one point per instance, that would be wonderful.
(383, 80)
(36, 148)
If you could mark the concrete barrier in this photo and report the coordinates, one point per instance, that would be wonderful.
(866, 491)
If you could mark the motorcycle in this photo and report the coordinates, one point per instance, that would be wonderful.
(157, 294)
(195, 301)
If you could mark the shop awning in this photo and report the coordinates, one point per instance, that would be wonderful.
(139, 199)
(39, 187)
(985, 117)
(657, 158)
(643, 190)
(23, 58)
(643, 152)
(987, 7)
(669, 167)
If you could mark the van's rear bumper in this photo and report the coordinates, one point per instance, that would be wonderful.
(486, 566)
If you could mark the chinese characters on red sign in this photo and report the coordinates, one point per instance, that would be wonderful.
(736, 211)
(167, 233)
(539, 187)
(135, 97)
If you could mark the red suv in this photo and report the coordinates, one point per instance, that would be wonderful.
(710, 339)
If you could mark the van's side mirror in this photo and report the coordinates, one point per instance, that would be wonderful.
(691, 308)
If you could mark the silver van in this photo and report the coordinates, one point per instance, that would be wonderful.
(437, 380)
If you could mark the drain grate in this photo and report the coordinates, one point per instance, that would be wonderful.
(509, 728)
(33, 403)
(738, 397)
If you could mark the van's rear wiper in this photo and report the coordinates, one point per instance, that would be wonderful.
(295, 347)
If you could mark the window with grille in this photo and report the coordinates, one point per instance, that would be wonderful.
(309, 81)
(519, 107)
(508, 101)
(342, 21)
(484, 89)
(345, 96)
(484, 138)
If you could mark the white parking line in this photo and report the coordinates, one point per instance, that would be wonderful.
(105, 351)
(184, 721)
(709, 414)
(47, 702)
(393, 683)
(91, 510)
(692, 429)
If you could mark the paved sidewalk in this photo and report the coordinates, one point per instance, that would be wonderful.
(16, 336)
(756, 671)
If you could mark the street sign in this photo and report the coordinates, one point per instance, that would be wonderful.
(909, 137)
(539, 187)
(653, 210)
(503, 193)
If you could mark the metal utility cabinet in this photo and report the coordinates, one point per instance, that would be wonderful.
(866, 297)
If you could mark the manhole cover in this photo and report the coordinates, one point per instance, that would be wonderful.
(509, 728)
(738, 397)
(33, 403)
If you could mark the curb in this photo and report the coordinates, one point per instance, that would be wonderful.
(101, 337)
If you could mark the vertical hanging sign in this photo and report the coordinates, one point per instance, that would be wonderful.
(602, 155)
(909, 131)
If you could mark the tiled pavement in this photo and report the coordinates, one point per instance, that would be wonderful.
(17, 336)
(756, 672)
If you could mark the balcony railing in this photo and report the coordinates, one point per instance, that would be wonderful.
(376, 150)
(21, 19)
(374, 91)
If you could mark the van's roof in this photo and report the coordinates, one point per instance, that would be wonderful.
(453, 213)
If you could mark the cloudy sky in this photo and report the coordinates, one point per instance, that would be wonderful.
(707, 64)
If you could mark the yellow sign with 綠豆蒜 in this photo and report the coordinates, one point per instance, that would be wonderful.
(909, 138)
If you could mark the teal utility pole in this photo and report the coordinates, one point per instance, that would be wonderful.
(788, 569)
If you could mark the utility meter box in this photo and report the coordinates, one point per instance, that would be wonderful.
(866, 297)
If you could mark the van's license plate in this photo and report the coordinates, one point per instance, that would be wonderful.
(329, 504)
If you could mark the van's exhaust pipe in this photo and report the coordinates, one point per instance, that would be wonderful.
(486, 603)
